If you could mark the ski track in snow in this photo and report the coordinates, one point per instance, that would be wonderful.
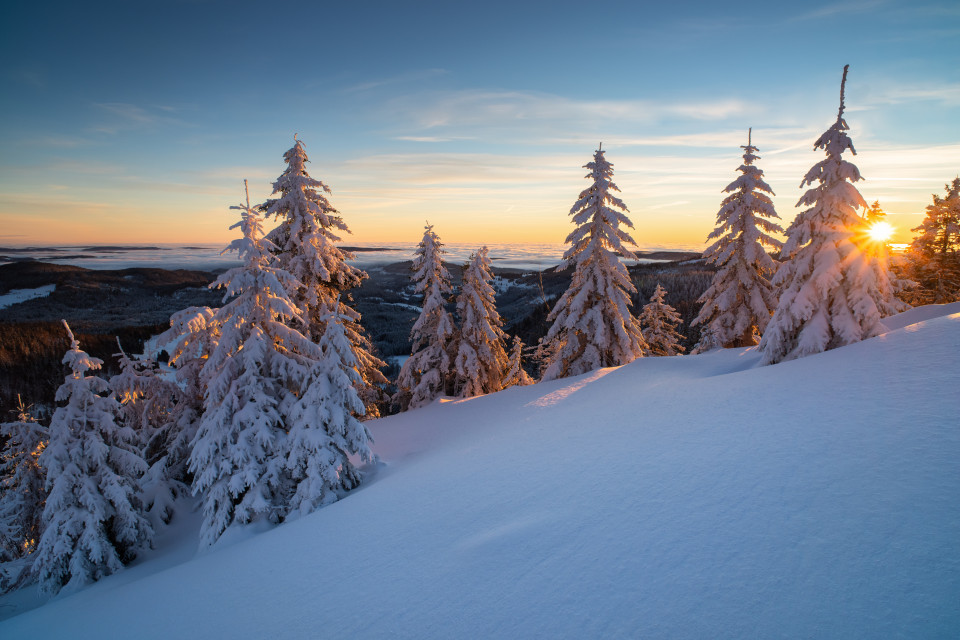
(685, 497)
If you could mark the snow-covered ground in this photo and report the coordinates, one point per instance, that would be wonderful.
(685, 497)
(16, 296)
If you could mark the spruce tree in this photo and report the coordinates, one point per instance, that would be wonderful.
(874, 214)
(325, 432)
(93, 519)
(592, 326)
(660, 321)
(740, 300)
(252, 380)
(832, 294)
(481, 359)
(516, 375)
(145, 399)
(22, 494)
(193, 336)
(425, 374)
(935, 251)
(305, 241)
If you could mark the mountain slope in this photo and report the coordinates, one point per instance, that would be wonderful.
(694, 496)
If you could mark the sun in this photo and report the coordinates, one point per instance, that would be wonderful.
(880, 232)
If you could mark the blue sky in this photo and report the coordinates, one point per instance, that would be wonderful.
(136, 122)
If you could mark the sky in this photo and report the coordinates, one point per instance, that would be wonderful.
(137, 122)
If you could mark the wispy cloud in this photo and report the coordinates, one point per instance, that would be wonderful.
(123, 116)
(432, 138)
(512, 109)
(895, 93)
(840, 8)
(403, 78)
(60, 141)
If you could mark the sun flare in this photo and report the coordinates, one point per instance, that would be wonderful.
(880, 232)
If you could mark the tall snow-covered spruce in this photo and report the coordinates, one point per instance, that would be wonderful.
(425, 374)
(325, 432)
(832, 294)
(253, 379)
(321, 277)
(93, 521)
(592, 326)
(740, 300)
(481, 359)
(660, 321)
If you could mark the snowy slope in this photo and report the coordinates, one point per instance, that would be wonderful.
(684, 497)
(16, 296)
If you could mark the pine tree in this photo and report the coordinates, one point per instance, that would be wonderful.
(21, 485)
(874, 214)
(193, 335)
(252, 380)
(832, 294)
(481, 359)
(660, 321)
(592, 325)
(516, 375)
(935, 251)
(425, 373)
(305, 248)
(325, 432)
(740, 300)
(93, 520)
(939, 233)
(709, 340)
(143, 406)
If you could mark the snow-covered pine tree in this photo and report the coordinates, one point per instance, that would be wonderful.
(21, 485)
(425, 373)
(660, 321)
(252, 380)
(305, 249)
(325, 432)
(193, 336)
(939, 233)
(22, 497)
(935, 251)
(832, 294)
(740, 300)
(93, 519)
(592, 326)
(709, 341)
(145, 399)
(481, 359)
(516, 375)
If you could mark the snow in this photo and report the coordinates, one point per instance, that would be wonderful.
(659, 499)
(16, 296)
(919, 314)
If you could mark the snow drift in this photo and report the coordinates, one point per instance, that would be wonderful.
(683, 497)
